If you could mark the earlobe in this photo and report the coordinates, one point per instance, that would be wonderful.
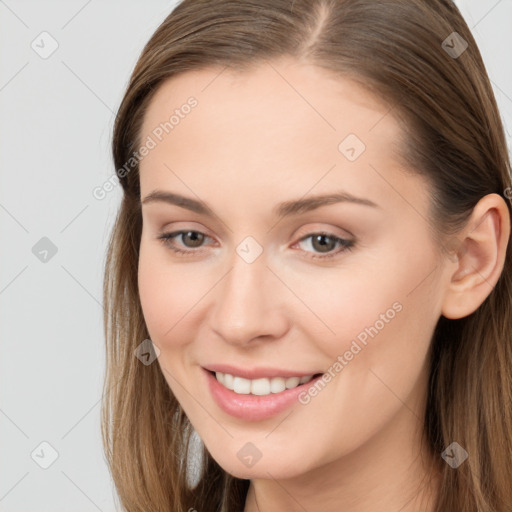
(479, 257)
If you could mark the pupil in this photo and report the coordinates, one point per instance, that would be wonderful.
(195, 236)
(322, 245)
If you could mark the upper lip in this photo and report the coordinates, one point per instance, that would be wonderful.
(256, 372)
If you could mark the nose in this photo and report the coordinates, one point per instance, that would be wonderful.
(248, 304)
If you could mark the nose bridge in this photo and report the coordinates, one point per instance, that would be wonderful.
(246, 303)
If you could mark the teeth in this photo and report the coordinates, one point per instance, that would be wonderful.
(292, 382)
(260, 387)
(241, 386)
(277, 385)
(228, 379)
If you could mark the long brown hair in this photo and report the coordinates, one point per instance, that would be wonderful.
(455, 138)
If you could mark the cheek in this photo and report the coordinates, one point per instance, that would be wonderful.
(167, 299)
(383, 319)
(388, 303)
(166, 295)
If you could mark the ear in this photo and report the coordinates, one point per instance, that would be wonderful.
(479, 257)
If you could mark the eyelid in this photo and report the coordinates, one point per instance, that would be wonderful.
(319, 228)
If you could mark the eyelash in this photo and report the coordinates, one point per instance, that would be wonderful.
(346, 245)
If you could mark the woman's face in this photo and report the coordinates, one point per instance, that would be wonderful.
(273, 285)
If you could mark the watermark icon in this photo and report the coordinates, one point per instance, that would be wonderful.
(351, 147)
(151, 142)
(249, 249)
(454, 455)
(44, 455)
(44, 250)
(249, 454)
(454, 45)
(45, 45)
(147, 352)
(308, 394)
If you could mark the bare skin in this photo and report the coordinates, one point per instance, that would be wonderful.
(257, 139)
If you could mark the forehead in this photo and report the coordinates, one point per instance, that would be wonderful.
(290, 90)
(281, 122)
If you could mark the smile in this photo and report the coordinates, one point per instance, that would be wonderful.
(258, 398)
(262, 386)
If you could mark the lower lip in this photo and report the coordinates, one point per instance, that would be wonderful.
(254, 407)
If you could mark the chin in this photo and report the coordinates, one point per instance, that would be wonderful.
(264, 468)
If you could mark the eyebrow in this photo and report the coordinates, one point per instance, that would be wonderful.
(285, 209)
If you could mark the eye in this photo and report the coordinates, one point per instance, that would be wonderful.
(324, 243)
(195, 238)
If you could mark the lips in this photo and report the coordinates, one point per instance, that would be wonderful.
(254, 407)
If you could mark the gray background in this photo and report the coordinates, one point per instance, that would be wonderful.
(56, 121)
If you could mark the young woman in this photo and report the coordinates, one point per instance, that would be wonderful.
(310, 271)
